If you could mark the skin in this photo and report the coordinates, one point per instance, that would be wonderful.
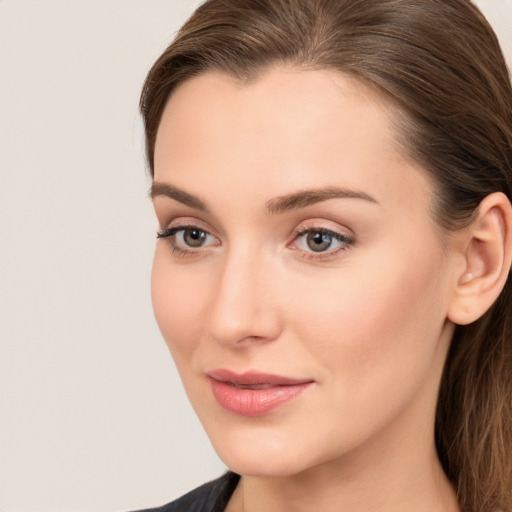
(365, 319)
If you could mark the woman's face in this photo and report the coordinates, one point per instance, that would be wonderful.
(299, 280)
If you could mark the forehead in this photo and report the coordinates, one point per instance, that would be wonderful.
(284, 98)
(288, 128)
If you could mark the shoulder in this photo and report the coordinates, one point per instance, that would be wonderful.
(210, 497)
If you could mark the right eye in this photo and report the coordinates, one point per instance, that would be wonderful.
(186, 239)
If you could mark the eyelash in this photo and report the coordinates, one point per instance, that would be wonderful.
(346, 241)
(170, 233)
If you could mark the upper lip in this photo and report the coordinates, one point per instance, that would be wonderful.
(255, 378)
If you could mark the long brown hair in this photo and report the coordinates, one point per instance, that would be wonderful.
(440, 63)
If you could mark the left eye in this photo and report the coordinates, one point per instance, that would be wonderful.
(321, 241)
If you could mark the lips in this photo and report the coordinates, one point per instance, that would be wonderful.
(254, 393)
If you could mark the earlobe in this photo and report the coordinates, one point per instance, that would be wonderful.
(487, 247)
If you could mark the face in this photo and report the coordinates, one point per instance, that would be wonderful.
(299, 279)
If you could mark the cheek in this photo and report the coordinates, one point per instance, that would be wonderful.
(374, 336)
(374, 324)
(178, 305)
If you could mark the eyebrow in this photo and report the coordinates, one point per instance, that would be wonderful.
(281, 204)
(164, 189)
(304, 198)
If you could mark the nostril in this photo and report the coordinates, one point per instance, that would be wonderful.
(243, 325)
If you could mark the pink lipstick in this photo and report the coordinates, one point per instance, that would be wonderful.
(254, 393)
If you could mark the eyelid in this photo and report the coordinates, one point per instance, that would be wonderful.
(323, 225)
(173, 230)
(186, 222)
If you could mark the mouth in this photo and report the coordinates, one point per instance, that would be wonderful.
(250, 386)
(254, 393)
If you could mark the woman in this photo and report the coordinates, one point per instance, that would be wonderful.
(332, 180)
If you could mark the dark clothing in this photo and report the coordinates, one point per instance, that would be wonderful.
(211, 497)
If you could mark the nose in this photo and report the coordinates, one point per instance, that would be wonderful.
(243, 309)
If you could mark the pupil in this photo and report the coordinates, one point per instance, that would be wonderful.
(319, 242)
(194, 237)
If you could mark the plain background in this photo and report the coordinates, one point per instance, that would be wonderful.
(92, 414)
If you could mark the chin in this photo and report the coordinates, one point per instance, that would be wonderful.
(260, 452)
(274, 466)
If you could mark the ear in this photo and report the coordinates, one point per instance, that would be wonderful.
(486, 247)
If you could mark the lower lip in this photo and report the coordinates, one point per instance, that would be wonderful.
(254, 402)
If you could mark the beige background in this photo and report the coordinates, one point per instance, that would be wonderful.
(92, 414)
